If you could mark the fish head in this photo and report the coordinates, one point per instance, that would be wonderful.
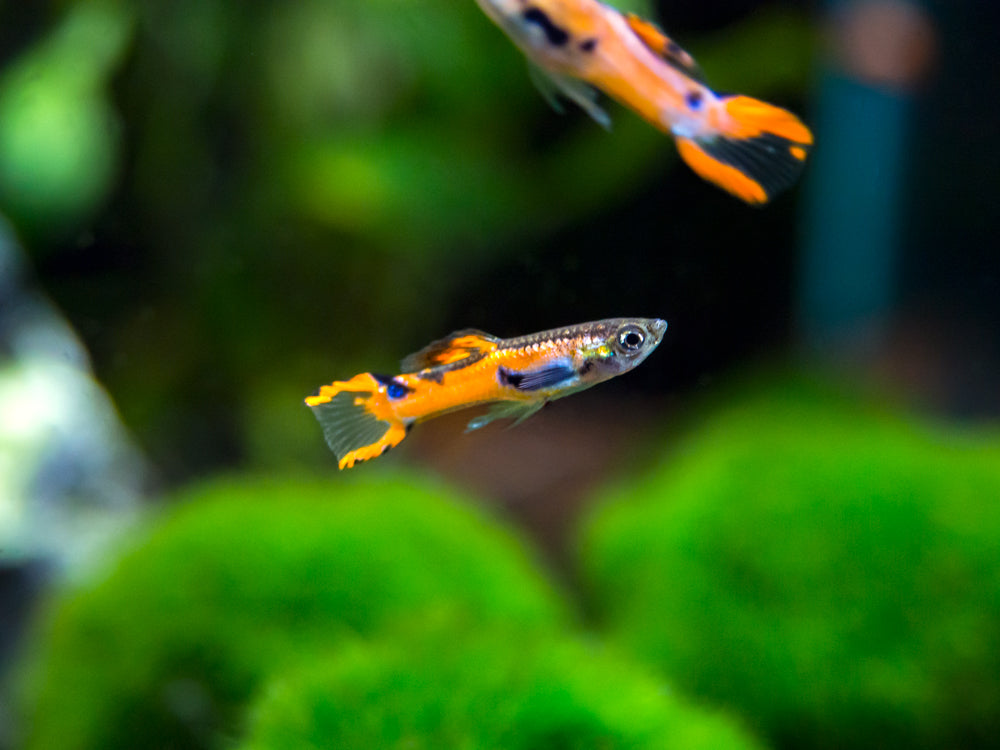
(618, 345)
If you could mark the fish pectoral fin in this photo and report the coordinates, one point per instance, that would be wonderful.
(550, 85)
(527, 412)
(546, 87)
(351, 430)
(542, 378)
(663, 46)
(516, 410)
(468, 344)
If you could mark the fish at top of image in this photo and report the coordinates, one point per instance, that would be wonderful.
(365, 416)
(747, 147)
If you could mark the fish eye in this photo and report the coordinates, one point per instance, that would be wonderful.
(630, 338)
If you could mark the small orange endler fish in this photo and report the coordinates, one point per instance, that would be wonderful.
(365, 416)
(750, 148)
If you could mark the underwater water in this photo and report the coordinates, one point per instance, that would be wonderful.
(778, 530)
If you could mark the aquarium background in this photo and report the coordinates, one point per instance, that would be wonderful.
(780, 531)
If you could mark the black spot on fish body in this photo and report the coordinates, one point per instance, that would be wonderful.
(396, 391)
(588, 45)
(556, 35)
(393, 388)
(694, 100)
(436, 375)
(509, 378)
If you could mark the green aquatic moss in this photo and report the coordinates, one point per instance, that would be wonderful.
(830, 570)
(495, 689)
(241, 577)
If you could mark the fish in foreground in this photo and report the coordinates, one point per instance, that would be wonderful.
(365, 416)
(750, 148)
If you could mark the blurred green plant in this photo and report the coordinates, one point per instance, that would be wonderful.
(59, 135)
(493, 689)
(825, 567)
(246, 576)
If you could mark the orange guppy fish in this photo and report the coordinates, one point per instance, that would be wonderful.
(365, 416)
(750, 148)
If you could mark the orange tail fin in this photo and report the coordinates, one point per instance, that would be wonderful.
(357, 421)
(756, 151)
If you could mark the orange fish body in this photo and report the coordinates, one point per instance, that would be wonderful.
(745, 146)
(368, 414)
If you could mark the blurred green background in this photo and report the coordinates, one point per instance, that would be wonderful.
(208, 208)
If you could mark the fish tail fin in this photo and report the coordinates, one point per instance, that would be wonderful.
(356, 421)
(753, 150)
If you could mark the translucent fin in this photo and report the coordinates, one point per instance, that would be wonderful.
(462, 347)
(539, 379)
(351, 430)
(663, 46)
(582, 94)
(546, 87)
(517, 410)
(757, 151)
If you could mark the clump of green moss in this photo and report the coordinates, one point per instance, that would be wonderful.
(830, 570)
(493, 689)
(242, 577)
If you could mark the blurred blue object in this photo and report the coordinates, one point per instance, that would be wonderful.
(854, 216)
(850, 257)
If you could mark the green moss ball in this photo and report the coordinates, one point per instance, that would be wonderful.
(239, 577)
(489, 690)
(826, 568)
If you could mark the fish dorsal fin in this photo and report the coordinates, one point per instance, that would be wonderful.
(663, 46)
(459, 348)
